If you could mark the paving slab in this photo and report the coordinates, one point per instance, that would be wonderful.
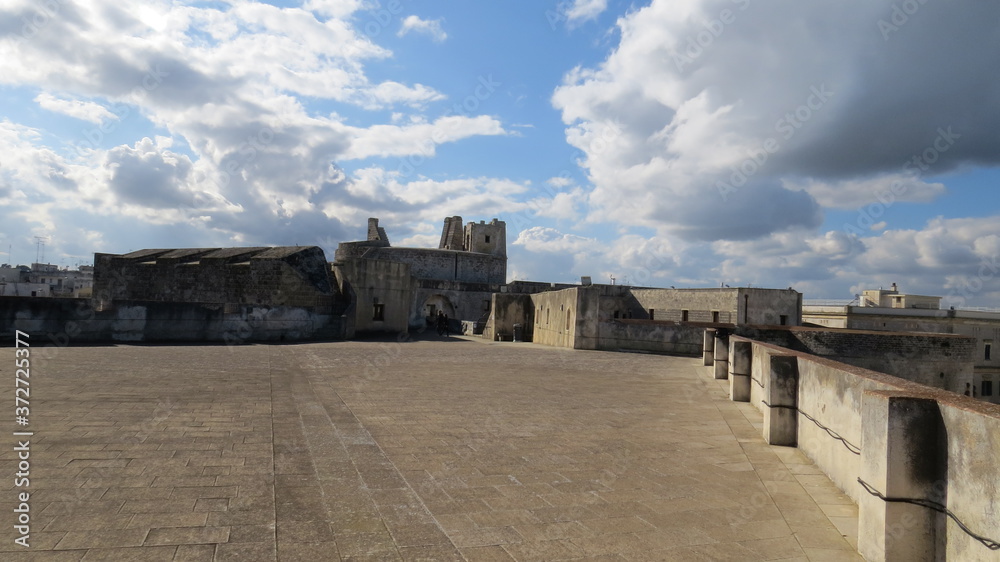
(437, 449)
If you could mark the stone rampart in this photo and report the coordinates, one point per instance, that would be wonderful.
(66, 321)
(918, 460)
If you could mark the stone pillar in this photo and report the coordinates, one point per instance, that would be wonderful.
(739, 370)
(709, 347)
(721, 354)
(903, 455)
(781, 389)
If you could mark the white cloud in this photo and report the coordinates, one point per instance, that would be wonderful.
(333, 8)
(564, 205)
(83, 110)
(954, 258)
(245, 158)
(856, 193)
(550, 240)
(583, 10)
(417, 139)
(702, 148)
(427, 27)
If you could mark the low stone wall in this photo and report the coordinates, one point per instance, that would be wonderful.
(64, 321)
(875, 434)
(940, 360)
(508, 310)
(647, 335)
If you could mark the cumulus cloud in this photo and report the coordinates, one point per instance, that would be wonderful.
(149, 175)
(431, 28)
(564, 205)
(855, 193)
(418, 139)
(541, 239)
(679, 121)
(583, 10)
(954, 258)
(243, 157)
(83, 110)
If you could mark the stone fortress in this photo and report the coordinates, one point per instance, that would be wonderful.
(883, 397)
(393, 289)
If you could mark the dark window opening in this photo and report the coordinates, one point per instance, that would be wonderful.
(987, 388)
(986, 353)
(378, 314)
(783, 319)
(487, 238)
(651, 313)
(684, 316)
(715, 316)
(616, 315)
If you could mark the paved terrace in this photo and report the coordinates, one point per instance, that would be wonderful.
(430, 450)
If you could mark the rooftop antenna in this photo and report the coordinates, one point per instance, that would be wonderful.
(612, 279)
(39, 248)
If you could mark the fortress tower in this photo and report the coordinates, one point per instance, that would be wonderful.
(487, 238)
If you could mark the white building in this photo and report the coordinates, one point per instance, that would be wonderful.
(893, 311)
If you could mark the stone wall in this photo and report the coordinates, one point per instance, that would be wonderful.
(507, 310)
(281, 276)
(375, 283)
(669, 304)
(561, 318)
(723, 305)
(873, 433)
(653, 336)
(447, 265)
(938, 360)
(468, 301)
(532, 287)
(984, 326)
(64, 321)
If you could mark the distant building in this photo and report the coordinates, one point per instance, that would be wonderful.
(892, 298)
(393, 289)
(11, 274)
(892, 311)
(62, 282)
(576, 316)
(45, 280)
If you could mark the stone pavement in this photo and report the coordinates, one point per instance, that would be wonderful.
(426, 450)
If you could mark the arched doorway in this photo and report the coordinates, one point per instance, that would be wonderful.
(435, 304)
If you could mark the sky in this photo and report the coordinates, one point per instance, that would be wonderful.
(827, 146)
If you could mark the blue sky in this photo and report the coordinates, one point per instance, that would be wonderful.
(828, 146)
